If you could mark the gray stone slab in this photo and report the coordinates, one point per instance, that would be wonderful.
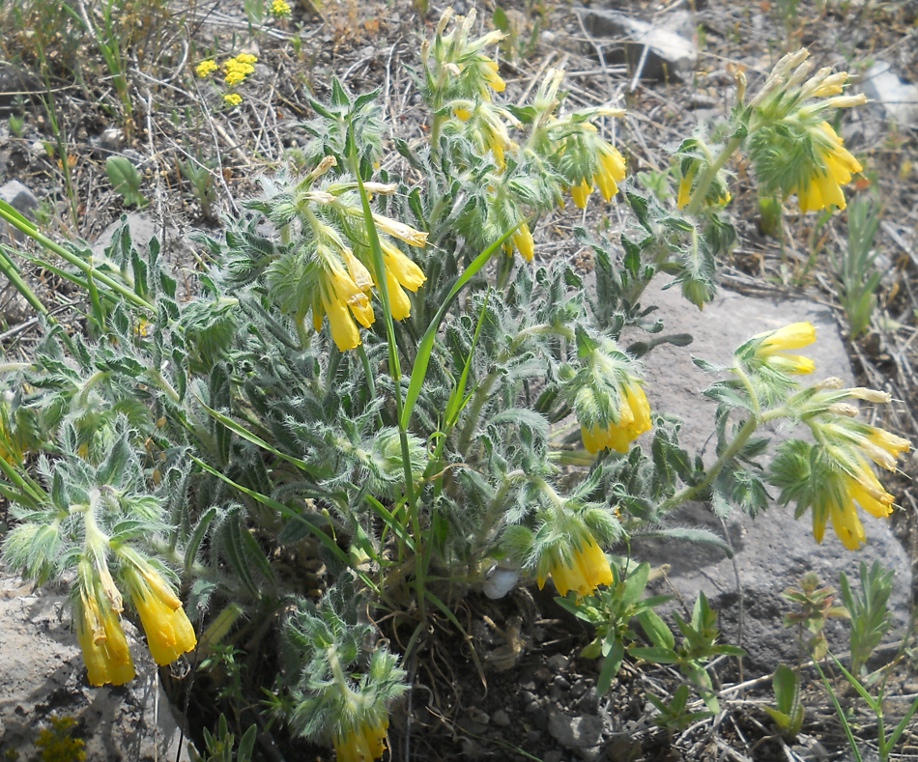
(660, 49)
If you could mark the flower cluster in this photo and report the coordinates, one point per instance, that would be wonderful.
(607, 397)
(98, 605)
(457, 66)
(342, 293)
(834, 475)
(567, 546)
(792, 145)
(529, 173)
(333, 260)
(599, 164)
(236, 71)
(280, 9)
(581, 568)
(362, 743)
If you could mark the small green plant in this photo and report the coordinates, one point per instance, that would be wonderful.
(867, 606)
(126, 180)
(875, 700)
(855, 270)
(57, 743)
(699, 646)
(815, 606)
(200, 176)
(220, 746)
(517, 43)
(16, 125)
(788, 713)
(675, 713)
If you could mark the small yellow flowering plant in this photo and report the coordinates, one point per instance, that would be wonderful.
(233, 71)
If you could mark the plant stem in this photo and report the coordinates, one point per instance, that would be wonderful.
(710, 172)
(484, 390)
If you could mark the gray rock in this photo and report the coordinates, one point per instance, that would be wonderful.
(19, 197)
(558, 662)
(501, 719)
(23, 201)
(14, 82)
(13, 306)
(589, 702)
(44, 677)
(670, 51)
(575, 731)
(898, 99)
(772, 550)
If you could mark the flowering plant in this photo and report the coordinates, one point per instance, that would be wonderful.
(368, 381)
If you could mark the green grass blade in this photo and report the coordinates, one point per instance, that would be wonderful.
(254, 439)
(425, 348)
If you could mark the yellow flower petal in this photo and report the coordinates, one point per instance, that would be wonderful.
(399, 302)
(490, 75)
(406, 272)
(169, 631)
(846, 524)
(363, 744)
(343, 329)
(589, 568)
(793, 336)
(580, 193)
(685, 189)
(522, 239)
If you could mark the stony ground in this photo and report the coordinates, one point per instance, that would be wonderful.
(517, 689)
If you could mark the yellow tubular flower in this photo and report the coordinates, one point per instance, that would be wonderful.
(837, 165)
(406, 272)
(341, 295)
(522, 239)
(400, 230)
(793, 336)
(363, 743)
(685, 188)
(846, 523)
(343, 329)
(581, 193)
(887, 443)
(399, 302)
(774, 344)
(169, 632)
(611, 170)
(489, 74)
(633, 420)
(856, 485)
(587, 569)
(102, 640)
